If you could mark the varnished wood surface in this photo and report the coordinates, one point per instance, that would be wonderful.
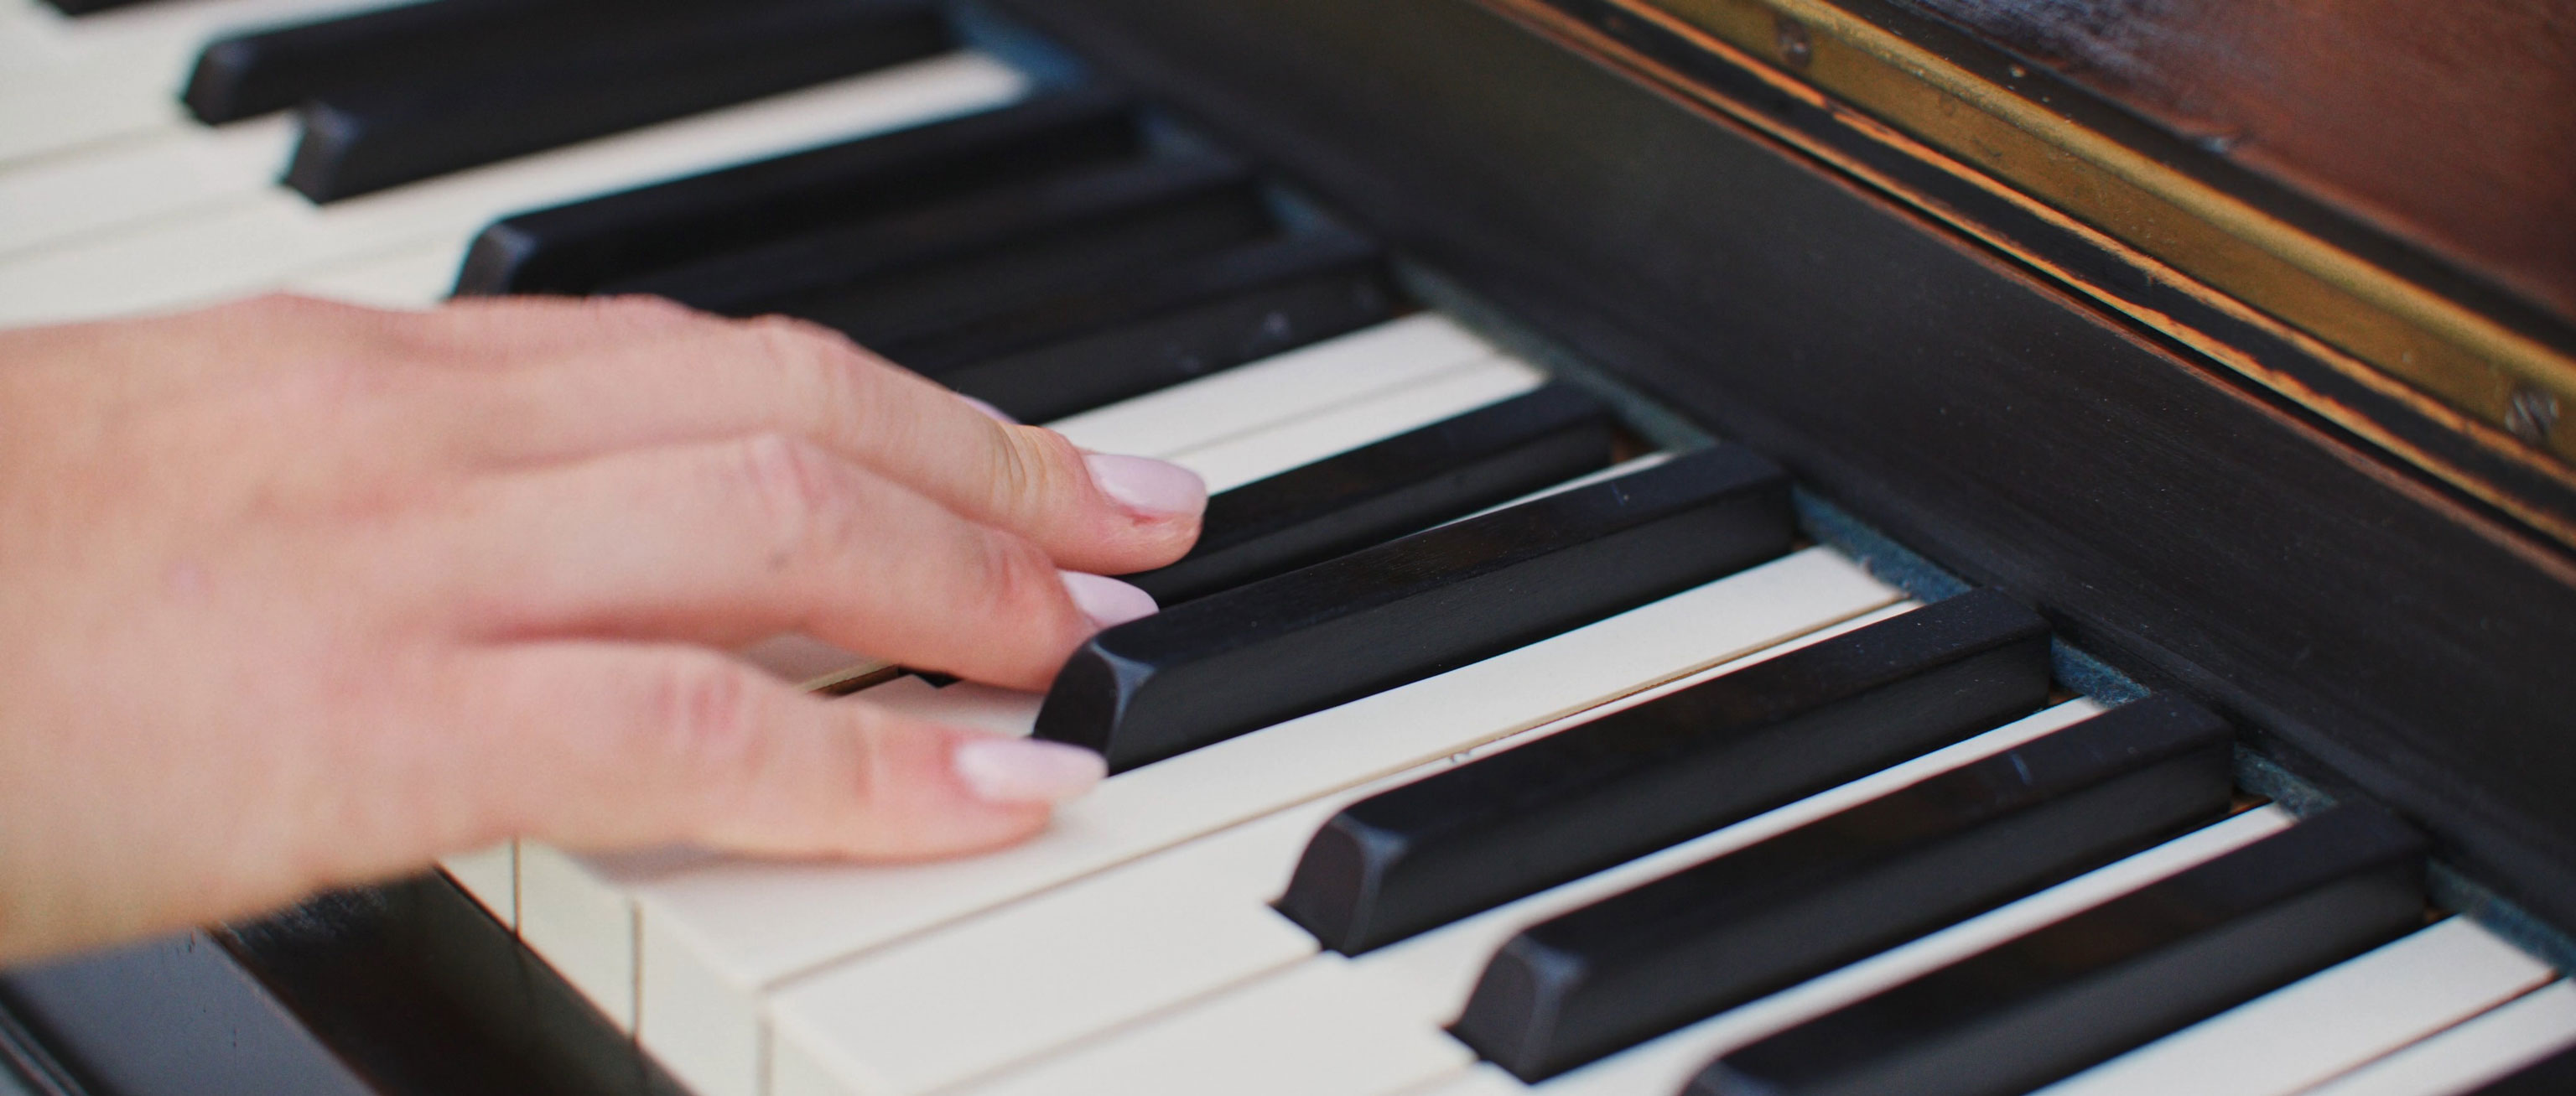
(2451, 125)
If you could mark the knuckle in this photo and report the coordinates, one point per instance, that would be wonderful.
(825, 379)
(1016, 576)
(868, 767)
(1035, 470)
(283, 304)
(788, 341)
(800, 492)
(640, 308)
(375, 330)
(707, 715)
(638, 314)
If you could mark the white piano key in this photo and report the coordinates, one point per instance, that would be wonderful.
(69, 83)
(2462, 1059)
(1226, 1045)
(1668, 1063)
(1426, 980)
(277, 236)
(158, 41)
(1374, 417)
(68, 108)
(575, 910)
(716, 936)
(1633, 464)
(1483, 1079)
(1133, 940)
(412, 278)
(573, 913)
(139, 181)
(2327, 1023)
(1332, 373)
(963, 704)
(809, 663)
(938, 1010)
(491, 877)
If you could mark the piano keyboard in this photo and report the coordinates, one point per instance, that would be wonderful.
(1546, 761)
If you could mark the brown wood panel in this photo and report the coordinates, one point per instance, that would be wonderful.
(2450, 125)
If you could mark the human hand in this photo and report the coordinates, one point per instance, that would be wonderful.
(300, 595)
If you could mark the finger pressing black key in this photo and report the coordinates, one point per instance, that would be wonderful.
(1340, 630)
(580, 247)
(1255, 301)
(2112, 978)
(1382, 491)
(1633, 966)
(1422, 855)
(991, 233)
(369, 139)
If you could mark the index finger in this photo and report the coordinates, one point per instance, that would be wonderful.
(1102, 513)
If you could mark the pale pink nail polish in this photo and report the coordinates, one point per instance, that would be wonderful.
(1107, 601)
(991, 412)
(1026, 770)
(1151, 487)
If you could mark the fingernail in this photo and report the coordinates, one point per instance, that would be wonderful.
(1150, 487)
(991, 412)
(1026, 770)
(1107, 601)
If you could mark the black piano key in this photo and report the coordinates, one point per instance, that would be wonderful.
(2551, 1076)
(1340, 630)
(1080, 211)
(369, 139)
(87, 7)
(579, 247)
(1325, 284)
(1081, 308)
(1418, 856)
(254, 73)
(2102, 982)
(1382, 491)
(940, 299)
(1760, 919)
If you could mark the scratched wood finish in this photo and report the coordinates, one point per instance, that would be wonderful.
(2452, 125)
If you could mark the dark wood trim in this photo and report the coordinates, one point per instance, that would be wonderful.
(2494, 470)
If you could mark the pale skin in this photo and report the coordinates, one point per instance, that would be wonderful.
(297, 595)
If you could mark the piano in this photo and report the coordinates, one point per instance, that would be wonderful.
(1760, 546)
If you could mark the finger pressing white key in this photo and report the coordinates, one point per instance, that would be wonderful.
(622, 745)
